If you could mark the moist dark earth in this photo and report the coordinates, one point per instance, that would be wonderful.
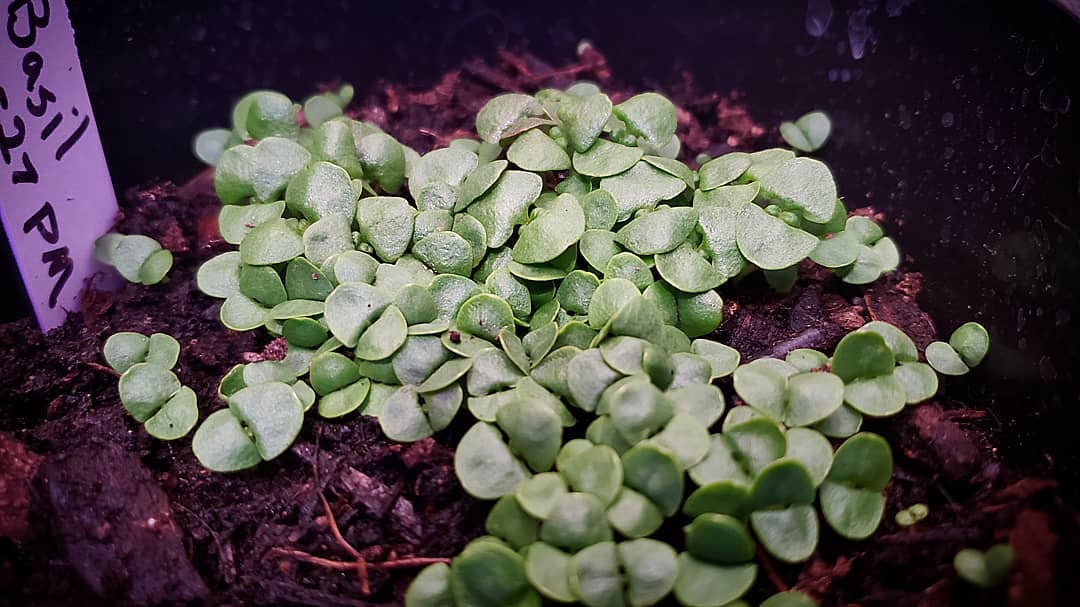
(95, 512)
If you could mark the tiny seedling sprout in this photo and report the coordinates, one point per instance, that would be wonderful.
(987, 569)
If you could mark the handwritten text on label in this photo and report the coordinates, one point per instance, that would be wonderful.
(55, 194)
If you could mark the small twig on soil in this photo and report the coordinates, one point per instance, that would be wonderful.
(439, 139)
(101, 368)
(515, 62)
(300, 555)
(332, 521)
(770, 571)
(413, 561)
(360, 565)
(572, 70)
(405, 563)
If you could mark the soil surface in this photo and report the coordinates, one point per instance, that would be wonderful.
(95, 512)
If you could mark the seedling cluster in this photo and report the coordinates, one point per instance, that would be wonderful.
(554, 283)
(149, 390)
(136, 257)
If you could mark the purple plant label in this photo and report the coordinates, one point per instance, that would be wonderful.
(56, 197)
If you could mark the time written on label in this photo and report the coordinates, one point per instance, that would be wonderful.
(38, 129)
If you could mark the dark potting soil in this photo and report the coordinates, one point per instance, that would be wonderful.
(95, 512)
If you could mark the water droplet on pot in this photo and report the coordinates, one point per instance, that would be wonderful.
(1033, 61)
(1048, 154)
(1046, 369)
(1053, 100)
(819, 14)
(947, 120)
(1062, 317)
(858, 32)
(904, 117)
(894, 8)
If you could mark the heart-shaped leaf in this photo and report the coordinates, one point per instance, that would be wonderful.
(485, 465)
(590, 378)
(723, 359)
(634, 515)
(789, 534)
(984, 569)
(273, 414)
(548, 569)
(802, 184)
(144, 389)
(554, 229)
(176, 417)
(641, 187)
(508, 521)
(722, 170)
(274, 161)
(383, 160)
(843, 423)
(271, 242)
(351, 308)
(811, 449)
(862, 354)
(320, 190)
(655, 473)
(505, 205)
(489, 573)
(876, 396)
(535, 151)
(659, 231)
(971, 342)
(703, 584)
(346, 400)
(583, 119)
(741, 452)
(768, 242)
(851, 497)
(605, 158)
(576, 520)
(809, 133)
(918, 380)
(650, 568)
(125, 349)
(498, 114)
(386, 223)
(430, 588)
(222, 445)
(535, 432)
(595, 578)
(650, 116)
(384, 336)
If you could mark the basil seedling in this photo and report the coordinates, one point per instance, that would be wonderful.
(984, 569)
(137, 258)
(148, 388)
(809, 133)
